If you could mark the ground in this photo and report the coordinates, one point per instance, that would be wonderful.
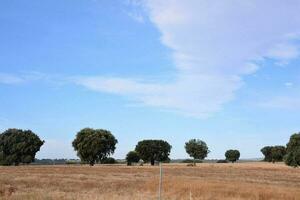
(206, 181)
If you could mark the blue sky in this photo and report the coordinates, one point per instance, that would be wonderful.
(227, 73)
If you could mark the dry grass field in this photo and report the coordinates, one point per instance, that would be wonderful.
(259, 181)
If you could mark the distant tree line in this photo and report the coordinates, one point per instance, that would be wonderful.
(97, 145)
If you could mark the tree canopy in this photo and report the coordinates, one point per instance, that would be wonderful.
(153, 150)
(197, 149)
(18, 146)
(132, 157)
(94, 145)
(232, 155)
(292, 157)
(273, 153)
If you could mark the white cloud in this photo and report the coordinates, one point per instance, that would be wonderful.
(214, 43)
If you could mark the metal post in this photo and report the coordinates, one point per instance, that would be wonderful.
(160, 181)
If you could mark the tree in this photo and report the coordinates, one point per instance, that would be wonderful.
(132, 157)
(273, 153)
(266, 151)
(153, 150)
(292, 157)
(277, 153)
(197, 149)
(232, 155)
(94, 145)
(18, 146)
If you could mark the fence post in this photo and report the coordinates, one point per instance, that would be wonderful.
(160, 181)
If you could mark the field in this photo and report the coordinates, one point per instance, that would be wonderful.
(205, 181)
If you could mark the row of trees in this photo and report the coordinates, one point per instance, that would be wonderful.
(289, 154)
(96, 145)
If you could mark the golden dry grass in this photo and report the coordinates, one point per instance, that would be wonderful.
(238, 181)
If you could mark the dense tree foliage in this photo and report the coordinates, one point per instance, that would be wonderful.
(132, 157)
(153, 150)
(94, 145)
(18, 146)
(232, 155)
(197, 149)
(278, 153)
(266, 151)
(273, 153)
(109, 160)
(292, 157)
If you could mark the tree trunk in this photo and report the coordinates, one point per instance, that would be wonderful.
(152, 162)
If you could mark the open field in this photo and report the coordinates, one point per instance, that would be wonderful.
(206, 181)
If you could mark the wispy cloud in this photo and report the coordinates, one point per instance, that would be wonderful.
(215, 44)
(10, 79)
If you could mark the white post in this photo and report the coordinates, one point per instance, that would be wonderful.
(160, 181)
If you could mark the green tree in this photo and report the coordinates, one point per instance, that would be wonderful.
(277, 153)
(18, 146)
(273, 153)
(94, 145)
(266, 151)
(292, 157)
(197, 149)
(153, 150)
(232, 155)
(132, 157)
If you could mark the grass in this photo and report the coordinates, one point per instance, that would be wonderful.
(261, 181)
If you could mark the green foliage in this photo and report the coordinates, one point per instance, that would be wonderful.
(197, 149)
(191, 161)
(273, 153)
(222, 161)
(266, 151)
(18, 146)
(278, 153)
(132, 157)
(109, 160)
(153, 150)
(232, 155)
(292, 157)
(94, 145)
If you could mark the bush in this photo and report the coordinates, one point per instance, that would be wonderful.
(192, 161)
(109, 160)
(222, 161)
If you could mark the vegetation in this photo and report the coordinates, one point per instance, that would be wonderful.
(109, 160)
(222, 161)
(197, 149)
(153, 150)
(208, 181)
(18, 146)
(232, 155)
(292, 157)
(273, 153)
(94, 145)
(132, 157)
